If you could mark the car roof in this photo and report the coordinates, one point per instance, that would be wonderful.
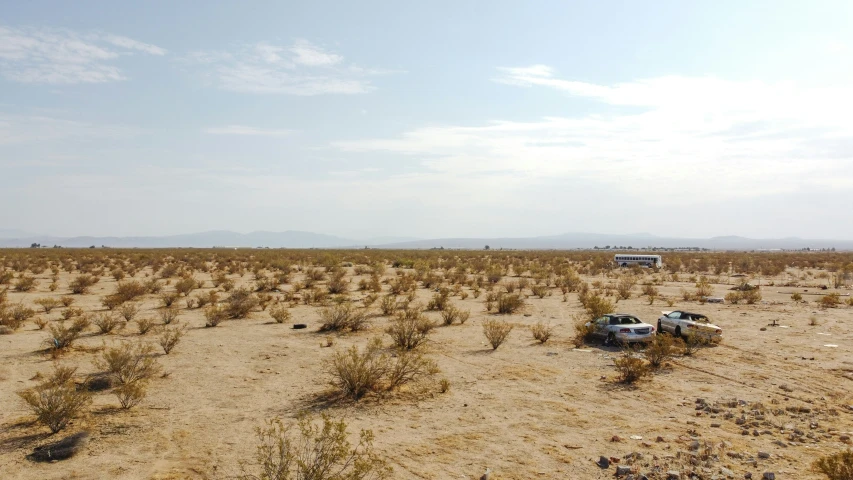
(620, 315)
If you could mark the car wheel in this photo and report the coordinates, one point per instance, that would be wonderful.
(610, 340)
(659, 327)
(678, 331)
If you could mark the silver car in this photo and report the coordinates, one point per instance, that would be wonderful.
(617, 328)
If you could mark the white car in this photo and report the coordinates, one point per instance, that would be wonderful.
(681, 323)
(615, 328)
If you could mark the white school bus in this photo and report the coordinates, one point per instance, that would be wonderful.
(626, 260)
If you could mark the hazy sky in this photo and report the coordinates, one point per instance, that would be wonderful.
(427, 119)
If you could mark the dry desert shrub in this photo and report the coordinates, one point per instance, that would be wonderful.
(752, 296)
(62, 335)
(797, 297)
(734, 297)
(144, 325)
(240, 302)
(630, 368)
(661, 349)
(344, 316)
(625, 286)
(128, 311)
(509, 303)
(388, 305)
(130, 394)
(597, 306)
(314, 452)
(106, 322)
(40, 323)
(583, 332)
(496, 332)
(830, 301)
(540, 291)
(168, 298)
(837, 466)
(47, 303)
(14, 317)
(280, 313)
(129, 362)
(410, 329)
(692, 343)
(542, 332)
(356, 373)
(56, 401)
(70, 313)
(169, 338)
(215, 314)
(439, 301)
(25, 283)
(81, 283)
(185, 286)
(169, 314)
(66, 300)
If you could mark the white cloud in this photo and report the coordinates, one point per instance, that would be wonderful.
(250, 131)
(59, 56)
(299, 69)
(309, 54)
(703, 139)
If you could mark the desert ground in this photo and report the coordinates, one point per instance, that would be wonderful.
(773, 396)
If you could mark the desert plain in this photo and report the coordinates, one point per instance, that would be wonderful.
(771, 398)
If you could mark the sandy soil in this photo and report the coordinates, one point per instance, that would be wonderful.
(524, 410)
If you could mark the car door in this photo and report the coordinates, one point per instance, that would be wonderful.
(600, 329)
(670, 320)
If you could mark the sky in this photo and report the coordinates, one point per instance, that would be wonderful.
(427, 119)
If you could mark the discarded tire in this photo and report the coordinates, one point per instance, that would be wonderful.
(299, 326)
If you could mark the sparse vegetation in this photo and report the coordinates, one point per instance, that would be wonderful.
(58, 400)
(542, 332)
(344, 316)
(314, 452)
(496, 332)
(630, 368)
(837, 466)
(410, 328)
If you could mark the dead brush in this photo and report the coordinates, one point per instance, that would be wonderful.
(285, 453)
(58, 400)
(496, 332)
(143, 325)
(661, 349)
(449, 315)
(128, 311)
(356, 373)
(80, 284)
(542, 332)
(836, 466)
(107, 322)
(410, 329)
(169, 314)
(509, 303)
(584, 331)
(630, 368)
(343, 316)
(214, 315)
(280, 313)
(62, 335)
(170, 337)
(47, 303)
(129, 362)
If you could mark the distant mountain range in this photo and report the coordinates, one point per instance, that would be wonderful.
(297, 239)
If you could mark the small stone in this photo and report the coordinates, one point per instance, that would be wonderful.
(747, 475)
(769, 476)
(603, 462)
(615, 438)
(673, 475)
(622, 470)
(844, 438)
(763, 455)
(660, 439)
(694, 445)
(715, 425)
